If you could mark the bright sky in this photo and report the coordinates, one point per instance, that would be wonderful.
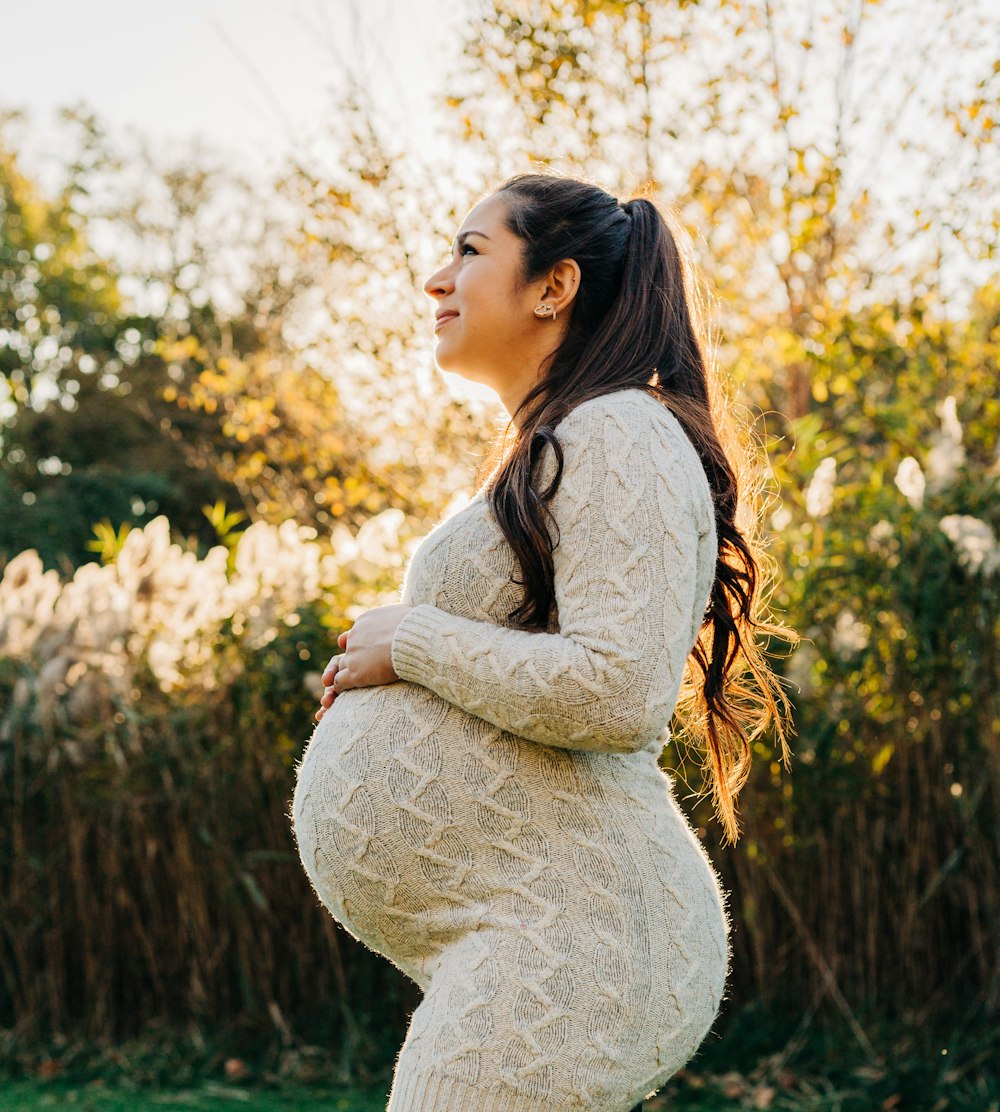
(248, 74)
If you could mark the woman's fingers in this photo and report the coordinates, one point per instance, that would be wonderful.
(326, 701)
(335, 660)
(329, 678)
(329, 694)
(330, 687)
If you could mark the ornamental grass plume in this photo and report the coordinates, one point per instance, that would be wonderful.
(975, 541)
(158, 610)
(820, 491)
(911, 482)
(946, 456)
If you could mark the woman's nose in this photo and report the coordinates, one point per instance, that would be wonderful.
(438, 284)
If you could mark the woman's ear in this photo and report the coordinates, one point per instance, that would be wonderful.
(561, 285)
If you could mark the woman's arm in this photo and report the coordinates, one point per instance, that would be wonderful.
(626, 580)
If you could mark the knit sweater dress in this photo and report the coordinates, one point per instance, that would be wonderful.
(496, 824)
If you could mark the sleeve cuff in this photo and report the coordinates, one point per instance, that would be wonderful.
(412, 650)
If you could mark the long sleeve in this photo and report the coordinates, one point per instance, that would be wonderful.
(633, 568)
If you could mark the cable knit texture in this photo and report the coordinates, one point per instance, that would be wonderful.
(496, 823)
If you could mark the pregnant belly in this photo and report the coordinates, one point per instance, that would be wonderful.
(379, 835)
(418, 823)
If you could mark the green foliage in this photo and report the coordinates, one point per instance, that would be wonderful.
(224, 523)
(85, 433)
(886, 536)
(59, 301)
(57, 519)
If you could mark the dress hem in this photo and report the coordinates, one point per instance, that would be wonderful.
(430, 1092)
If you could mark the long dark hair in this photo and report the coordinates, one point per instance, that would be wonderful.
(635, 322)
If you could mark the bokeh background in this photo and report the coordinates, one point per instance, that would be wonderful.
(222, 433)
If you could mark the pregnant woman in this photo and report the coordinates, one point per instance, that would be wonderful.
(481, 800)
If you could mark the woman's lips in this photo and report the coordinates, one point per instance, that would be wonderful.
(444, 320)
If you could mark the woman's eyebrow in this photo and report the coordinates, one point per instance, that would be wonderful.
(460, 239)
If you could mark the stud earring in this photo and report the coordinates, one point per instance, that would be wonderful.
(543, 310)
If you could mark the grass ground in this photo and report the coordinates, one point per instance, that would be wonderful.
(35, 1096)
(99, 1097)
(759, 1063)
(709, 1095)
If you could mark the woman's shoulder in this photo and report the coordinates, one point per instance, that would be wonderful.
(627, 416)
(631, 428)
(630, 406)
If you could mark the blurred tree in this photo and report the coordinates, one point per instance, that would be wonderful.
(198, 365)
(216, 257)
(83, 431)
(887, 531)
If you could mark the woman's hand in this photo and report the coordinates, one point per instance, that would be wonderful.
(367, 657)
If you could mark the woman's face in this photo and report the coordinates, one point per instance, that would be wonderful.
(494, 336)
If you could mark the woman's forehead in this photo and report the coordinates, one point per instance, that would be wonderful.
(487, 215)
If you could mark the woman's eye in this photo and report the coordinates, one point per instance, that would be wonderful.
(465, 247)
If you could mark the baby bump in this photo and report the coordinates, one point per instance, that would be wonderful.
(375, 826)
(418, 823)
(410, 797)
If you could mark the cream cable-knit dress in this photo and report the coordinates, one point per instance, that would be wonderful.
(496, 823)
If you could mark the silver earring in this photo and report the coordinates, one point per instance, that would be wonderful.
(543, 310)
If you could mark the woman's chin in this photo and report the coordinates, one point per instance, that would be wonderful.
(459, 370)
(446, 361)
